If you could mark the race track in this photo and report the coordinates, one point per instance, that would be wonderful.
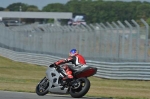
(24, 95)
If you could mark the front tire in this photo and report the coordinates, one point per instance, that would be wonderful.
(82, 89)
(42, 87)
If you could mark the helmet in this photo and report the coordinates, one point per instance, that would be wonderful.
(73, 52)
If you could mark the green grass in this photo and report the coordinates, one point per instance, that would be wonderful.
(23, 77)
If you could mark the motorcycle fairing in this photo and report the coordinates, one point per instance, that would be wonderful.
(54, 86)
(85, 72)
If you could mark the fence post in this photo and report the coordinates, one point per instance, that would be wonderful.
(138, 45)
(99, 32)
(130, 41)
(117, 42)
(146, 39)
(123, 41)
(105, 39)
(111, 41)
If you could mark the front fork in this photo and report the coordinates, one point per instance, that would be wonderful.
(43, 84)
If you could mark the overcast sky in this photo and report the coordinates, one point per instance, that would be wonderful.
(42, 3)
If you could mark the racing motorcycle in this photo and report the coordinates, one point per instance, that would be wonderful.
(53, 81)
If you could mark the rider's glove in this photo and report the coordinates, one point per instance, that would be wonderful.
(52, 65)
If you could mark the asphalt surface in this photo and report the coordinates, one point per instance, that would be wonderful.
(24, 95)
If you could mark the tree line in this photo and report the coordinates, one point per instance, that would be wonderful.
(96, 11)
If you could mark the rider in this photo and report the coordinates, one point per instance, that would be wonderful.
(75, 58)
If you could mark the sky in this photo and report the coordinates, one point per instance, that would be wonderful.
(41, 3)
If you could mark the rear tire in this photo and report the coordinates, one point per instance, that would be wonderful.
(82, 89)
(42, 87)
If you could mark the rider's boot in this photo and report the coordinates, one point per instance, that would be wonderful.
(67, 79)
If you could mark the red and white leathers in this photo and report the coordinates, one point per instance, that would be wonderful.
(77, 60)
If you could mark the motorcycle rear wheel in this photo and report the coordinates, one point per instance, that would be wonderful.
(42, 87)
(83, 88)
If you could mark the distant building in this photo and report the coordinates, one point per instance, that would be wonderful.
(11, 21)
(78, 19)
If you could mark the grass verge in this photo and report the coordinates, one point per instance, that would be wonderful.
(23, 77)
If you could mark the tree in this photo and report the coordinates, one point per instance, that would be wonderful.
(16, 7)
(32, 8)
(2, 9)
(143, 11)
(54, 7)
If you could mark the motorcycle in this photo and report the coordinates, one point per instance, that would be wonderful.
(77, 87)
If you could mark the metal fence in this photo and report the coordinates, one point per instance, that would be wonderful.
(108, 42)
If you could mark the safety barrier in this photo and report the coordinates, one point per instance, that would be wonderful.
(127, 70)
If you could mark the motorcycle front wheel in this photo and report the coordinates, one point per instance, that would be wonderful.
(42, 87)
(80, 88)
